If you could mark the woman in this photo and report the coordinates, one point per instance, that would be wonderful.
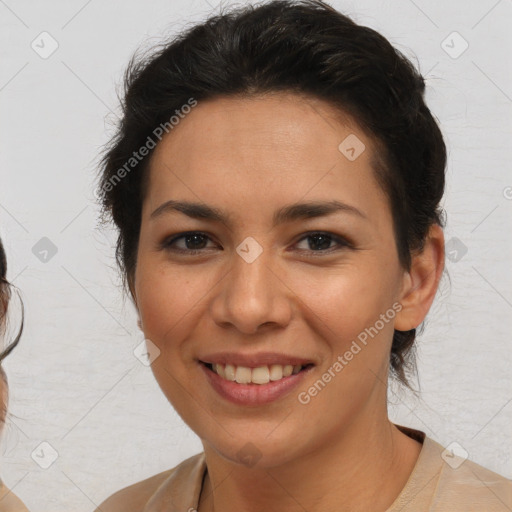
(9, 502)
(276, 182)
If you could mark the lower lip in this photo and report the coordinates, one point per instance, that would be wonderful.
(253, 394)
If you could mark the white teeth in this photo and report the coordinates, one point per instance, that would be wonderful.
(276, 372)
(287, 370)
(243, 375)
(229, 372)
(259, 375)
(220, 370)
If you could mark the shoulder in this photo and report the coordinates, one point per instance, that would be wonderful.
(477, 486)
(135, 497)
(469, 486)
(443, 481)
(9, 502)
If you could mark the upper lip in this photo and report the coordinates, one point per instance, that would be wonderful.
(254, 360)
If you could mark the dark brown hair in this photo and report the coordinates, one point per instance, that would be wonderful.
(5, 296)
(306, 47)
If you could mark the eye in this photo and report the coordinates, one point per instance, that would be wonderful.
(194, 242)
(320, 242)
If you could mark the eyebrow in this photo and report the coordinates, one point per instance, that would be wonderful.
(287, 213)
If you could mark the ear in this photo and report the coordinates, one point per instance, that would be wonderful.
(420, 283)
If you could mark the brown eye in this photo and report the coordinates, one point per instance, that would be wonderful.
(321, 242)
(191, 242)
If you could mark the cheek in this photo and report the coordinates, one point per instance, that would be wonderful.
(161, 292)
(343, 313)
(168, 305)
(171, 300)
(344, 302)
(164, 303)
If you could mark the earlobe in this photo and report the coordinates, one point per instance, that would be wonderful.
(421, 281)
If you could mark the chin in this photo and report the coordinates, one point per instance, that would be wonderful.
(258, 451)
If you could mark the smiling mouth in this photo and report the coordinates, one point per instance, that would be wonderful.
(260, 375)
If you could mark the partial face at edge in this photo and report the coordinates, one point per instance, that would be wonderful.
(308, 297)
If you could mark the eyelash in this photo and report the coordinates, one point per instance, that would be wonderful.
(342, 243)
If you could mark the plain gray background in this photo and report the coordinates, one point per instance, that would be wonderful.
(75, 384)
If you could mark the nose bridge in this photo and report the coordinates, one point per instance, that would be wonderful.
(250, 268)
(250, 294)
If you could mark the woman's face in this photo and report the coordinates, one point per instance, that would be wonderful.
(258, 292)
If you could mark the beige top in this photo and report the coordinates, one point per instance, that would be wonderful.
(9, 502)
(434, 486)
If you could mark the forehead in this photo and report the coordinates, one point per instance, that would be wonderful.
(265, 149)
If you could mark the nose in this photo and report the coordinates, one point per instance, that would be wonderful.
(251, 296)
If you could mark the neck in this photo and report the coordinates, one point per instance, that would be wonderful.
(363, 468)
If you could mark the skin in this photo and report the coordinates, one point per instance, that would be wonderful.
(250, 157)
